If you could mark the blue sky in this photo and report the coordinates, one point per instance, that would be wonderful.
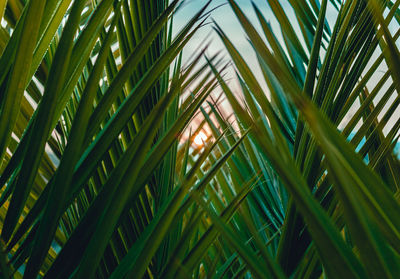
(227, 20)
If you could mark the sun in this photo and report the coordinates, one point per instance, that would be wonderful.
(200, 138)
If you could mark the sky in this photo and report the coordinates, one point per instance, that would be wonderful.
(226, 19)
(223, 15)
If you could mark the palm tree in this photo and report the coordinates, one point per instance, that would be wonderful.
(342, 178)
(89, 117)
(101, 175)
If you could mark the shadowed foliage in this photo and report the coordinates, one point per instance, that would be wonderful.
(118, 160)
